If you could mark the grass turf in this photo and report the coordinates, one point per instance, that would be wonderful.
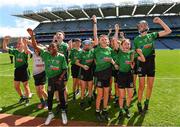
(164, 106)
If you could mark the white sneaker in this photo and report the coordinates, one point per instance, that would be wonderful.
(49, 118)
(64, 117)
(30, 95)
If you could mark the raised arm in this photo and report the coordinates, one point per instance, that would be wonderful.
(117, 28)
(116, 37)
(166, 30)
(110, 31)
(34, 43)
(26, 48)
(95, 30)
(5, 43)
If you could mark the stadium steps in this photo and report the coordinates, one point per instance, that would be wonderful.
(166, 45)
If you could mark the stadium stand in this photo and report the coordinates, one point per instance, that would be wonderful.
(75, 21)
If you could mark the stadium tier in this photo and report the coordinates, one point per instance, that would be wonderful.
(76, 21)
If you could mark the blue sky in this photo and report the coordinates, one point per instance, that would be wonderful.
(13, 26)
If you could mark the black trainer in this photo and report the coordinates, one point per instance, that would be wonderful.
(98, 116)
(146, 106)
(74, 96)
(77, 92)
(139, 106)
(26, 101)
(82, 105)
(120, 115)
(105, 115)
(21, 100)
(128, 115)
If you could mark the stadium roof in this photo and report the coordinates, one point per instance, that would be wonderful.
(103, 11)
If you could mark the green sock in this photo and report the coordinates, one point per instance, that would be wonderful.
(146, 101)
(42, 100)
(120, 109)
(82, 100)
(126, 107)
(139, 103)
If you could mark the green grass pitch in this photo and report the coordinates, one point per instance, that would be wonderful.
(164, 106)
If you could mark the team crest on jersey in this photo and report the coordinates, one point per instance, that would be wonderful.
(57, 61)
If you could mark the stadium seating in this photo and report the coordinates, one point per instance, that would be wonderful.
(83, 29)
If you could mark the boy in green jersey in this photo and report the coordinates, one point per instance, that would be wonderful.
(124, 65)
(55, 68)
(21, 73)
(145, 41)
(85, 61)
(63, 48)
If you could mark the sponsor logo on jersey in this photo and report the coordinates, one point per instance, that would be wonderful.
(128, 62)
(148, 46)
(54, 68)
(19, 60)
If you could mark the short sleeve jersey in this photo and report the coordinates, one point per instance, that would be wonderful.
(20, 57)
(148, 40)
(83, 56)
(99, 55)
(54, 65)
(123, 60)
(74, 55)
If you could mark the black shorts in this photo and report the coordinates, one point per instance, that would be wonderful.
(21, 73)
(86, 75)
(103, 83)
(147, 68)
(114, 74)
(104, 77)
(125, 80)
(55, 84)
(75, 70)
(40, 79)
